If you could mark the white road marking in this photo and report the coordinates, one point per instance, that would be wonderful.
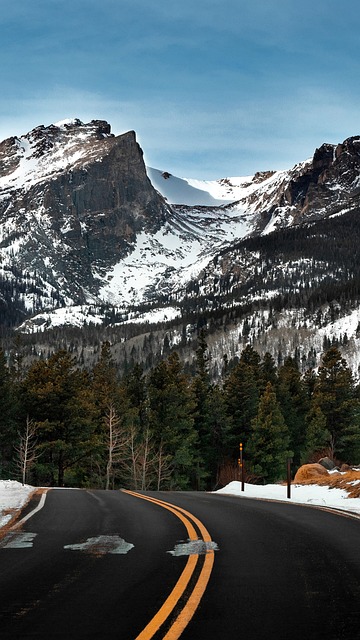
(29, 515)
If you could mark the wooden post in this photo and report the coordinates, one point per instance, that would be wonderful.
(288, 469)
(242, 474)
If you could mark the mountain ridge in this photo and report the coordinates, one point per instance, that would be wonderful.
(89, 234)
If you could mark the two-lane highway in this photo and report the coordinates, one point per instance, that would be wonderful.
(282, 571)
(54, 589)
(96, 564)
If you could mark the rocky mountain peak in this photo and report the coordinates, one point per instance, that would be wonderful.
(323, 158)
(73, 198)
(43, 138)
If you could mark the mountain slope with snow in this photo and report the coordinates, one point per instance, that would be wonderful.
(88, 234)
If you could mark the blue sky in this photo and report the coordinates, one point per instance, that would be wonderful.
(212, 88)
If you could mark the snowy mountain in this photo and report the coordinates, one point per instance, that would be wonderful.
(88, 234)
(72, 200)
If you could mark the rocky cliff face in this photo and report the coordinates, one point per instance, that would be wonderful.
(326, 185)
(73, 198)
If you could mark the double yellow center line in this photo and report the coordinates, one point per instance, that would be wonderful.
(187, 612)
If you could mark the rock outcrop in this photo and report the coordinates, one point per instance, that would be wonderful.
(308, 472)
(327, 463)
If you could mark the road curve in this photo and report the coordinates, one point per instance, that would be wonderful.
(182, 603)
(52, 588)
(283, 571)
(95, 564)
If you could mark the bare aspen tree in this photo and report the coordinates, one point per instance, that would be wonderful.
(155, 464)
(163, 466)
(116, 442)
(27, 449)
(150, 466)
(134, 455)
(145, 460)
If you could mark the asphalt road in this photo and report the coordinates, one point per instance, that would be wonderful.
(281, 571)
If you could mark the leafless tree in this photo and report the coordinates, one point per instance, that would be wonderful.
(117, 440)
(147, 465)
(133, 462)
(27, 449)
(164, 467)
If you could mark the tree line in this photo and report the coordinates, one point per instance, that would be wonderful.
(168, 427)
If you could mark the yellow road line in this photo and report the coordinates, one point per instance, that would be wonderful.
(204, 532)
(193, 601)
(190, 529)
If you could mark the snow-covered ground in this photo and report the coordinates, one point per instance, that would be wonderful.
(13, 496)
(189, 191)
(300, 494)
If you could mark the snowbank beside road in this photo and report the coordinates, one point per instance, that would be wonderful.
(323, 496)
(13, 496)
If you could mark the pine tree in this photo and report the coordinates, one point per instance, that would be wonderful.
(58, 397)
(309, 379)
(294, 404)
(351, 433)
(9, 411)
(251, 358)
(105, 383)
(335, 394)
(241, 396)
(268, 446)
(317, 436)
(217, 440)
(268, 372)
(201, 386)
(171, 422)
(134, 389)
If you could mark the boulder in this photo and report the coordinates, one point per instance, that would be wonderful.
(327, 463)
(344, 468)
(309, 472)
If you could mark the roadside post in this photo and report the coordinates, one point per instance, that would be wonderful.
(241, 464)
(288, 469)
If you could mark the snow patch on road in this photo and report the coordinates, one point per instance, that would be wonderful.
(18, 540)
(194, 547)
(102, 545)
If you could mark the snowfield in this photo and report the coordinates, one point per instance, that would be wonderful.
(13, 496)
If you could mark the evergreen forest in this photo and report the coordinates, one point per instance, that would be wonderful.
(64, 425)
